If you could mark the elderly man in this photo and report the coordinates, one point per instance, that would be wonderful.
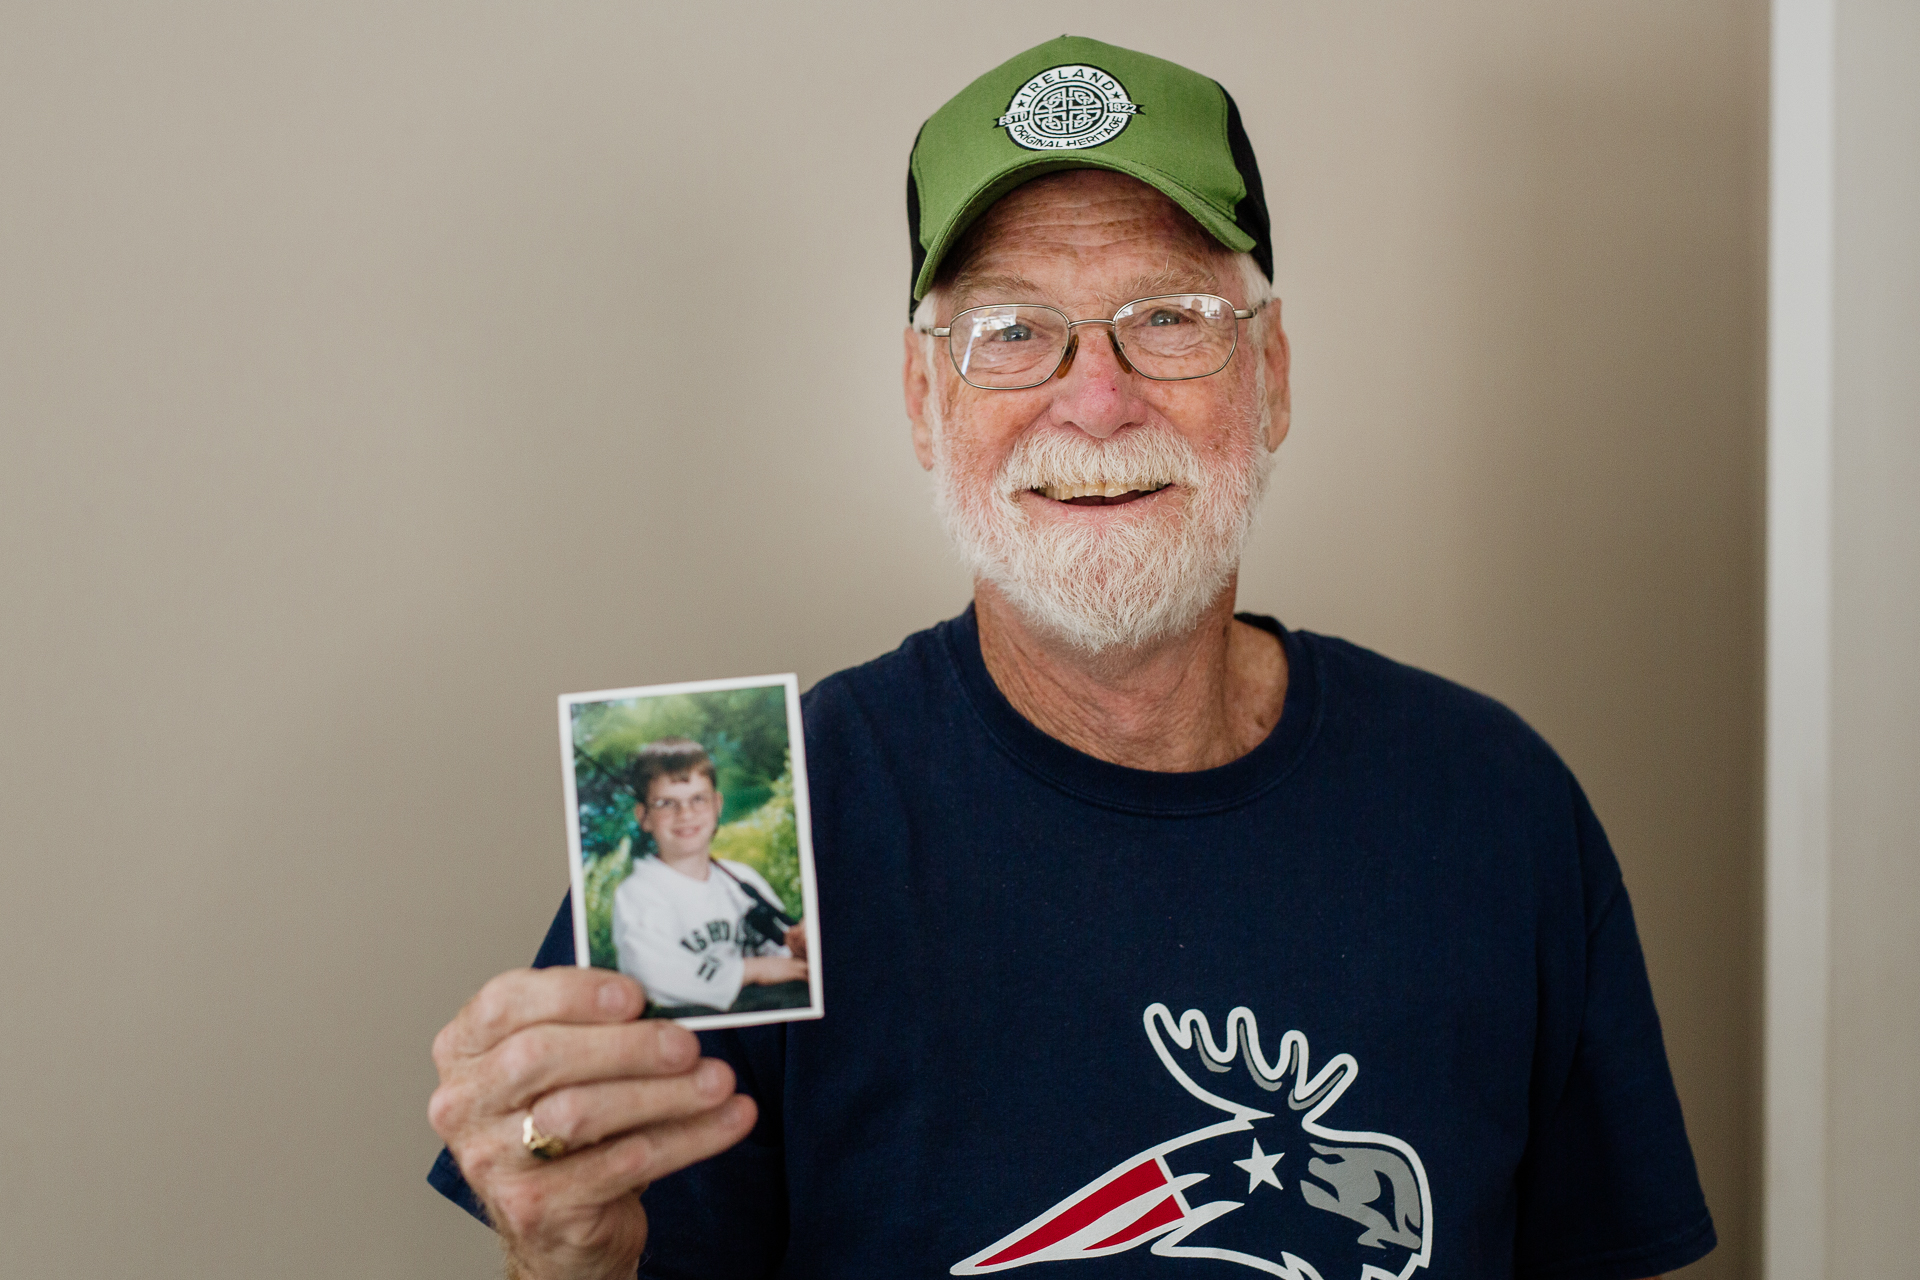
(1155, 932)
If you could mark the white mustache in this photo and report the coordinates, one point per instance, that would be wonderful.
(1136, 458)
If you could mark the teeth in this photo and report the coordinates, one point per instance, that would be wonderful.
(1062, 492)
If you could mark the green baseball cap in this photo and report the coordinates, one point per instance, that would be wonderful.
(1075, 103)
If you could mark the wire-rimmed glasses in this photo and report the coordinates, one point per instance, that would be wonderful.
(1169, 338)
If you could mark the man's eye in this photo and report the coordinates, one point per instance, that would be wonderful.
(1013, 333)
(1166, 317)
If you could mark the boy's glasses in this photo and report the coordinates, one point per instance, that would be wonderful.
(702, 803)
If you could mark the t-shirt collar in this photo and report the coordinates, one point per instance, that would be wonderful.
(1144, 791)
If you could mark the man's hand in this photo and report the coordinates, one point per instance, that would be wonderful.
(796, 939)
(632, 1100)
(767, 970)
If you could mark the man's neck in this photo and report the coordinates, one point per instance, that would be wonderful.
(1191, 702)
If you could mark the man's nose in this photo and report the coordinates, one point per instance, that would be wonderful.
(1096, 391)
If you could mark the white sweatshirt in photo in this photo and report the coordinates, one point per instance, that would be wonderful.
(683, 938)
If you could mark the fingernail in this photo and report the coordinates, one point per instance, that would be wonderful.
(614, 997)
(710, 1077)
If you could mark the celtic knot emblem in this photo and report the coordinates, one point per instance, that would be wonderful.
(1067, 111)
(1068, 108)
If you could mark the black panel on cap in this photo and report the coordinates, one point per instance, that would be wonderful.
(1250, 215)
(913, 227)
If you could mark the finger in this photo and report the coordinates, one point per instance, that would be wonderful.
(629, 1163)
(523, 997)
(549, 1056)
(581, 1115)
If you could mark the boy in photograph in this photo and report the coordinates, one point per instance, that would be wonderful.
(680, 921)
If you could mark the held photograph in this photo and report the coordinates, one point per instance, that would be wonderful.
(690, 847)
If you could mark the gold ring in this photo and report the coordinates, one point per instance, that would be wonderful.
(538, 1144)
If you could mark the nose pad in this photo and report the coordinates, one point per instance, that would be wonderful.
(1066, 361)
(1073, 346)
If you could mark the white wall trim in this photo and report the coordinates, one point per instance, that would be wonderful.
(1799, 640)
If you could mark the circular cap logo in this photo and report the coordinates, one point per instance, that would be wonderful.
(1068, 108)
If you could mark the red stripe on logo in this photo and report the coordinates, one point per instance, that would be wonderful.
(1102, 1200)
(1160, 1215)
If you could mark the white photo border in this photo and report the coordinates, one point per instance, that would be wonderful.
(803, 831)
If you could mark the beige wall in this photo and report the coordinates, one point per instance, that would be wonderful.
(371, 373)
(1873, 1041)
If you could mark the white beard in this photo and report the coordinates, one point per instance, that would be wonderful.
(1144, 573)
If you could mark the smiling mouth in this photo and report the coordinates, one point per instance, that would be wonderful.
(1100, 495)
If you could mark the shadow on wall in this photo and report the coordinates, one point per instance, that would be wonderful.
(1609, 492)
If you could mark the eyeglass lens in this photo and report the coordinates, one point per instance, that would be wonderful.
(698, 803)
(1004, 348)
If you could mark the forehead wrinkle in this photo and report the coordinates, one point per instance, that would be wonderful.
(1188, 276)
(1072, 217)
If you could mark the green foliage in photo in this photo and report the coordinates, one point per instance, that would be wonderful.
(604, 875)
(744, 730)
(768, 841)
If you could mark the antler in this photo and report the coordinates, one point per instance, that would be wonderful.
(1242, 1042)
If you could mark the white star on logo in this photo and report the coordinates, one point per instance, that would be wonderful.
(1259, 1167)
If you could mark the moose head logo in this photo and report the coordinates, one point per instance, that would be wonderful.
(1340, 1179)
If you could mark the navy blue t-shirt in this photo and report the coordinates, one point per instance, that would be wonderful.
(1365, 1003)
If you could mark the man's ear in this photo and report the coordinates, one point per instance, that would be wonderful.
(640, 817)
(1277, 357)
(918, 386)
